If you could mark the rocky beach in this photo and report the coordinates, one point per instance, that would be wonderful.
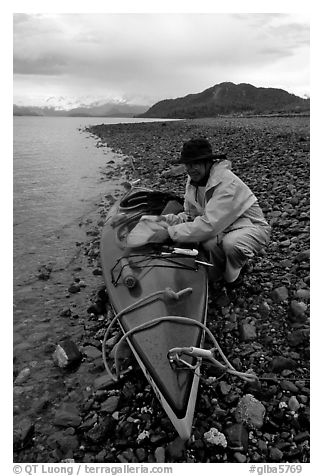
(78, 414)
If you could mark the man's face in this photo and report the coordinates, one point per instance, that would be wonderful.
(197, 170)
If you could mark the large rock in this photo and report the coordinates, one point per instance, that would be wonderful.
(248, 332)
(250, 411)
(22, 376)
(297, 311)
(303, 256)
(64, 442)
(160, 454)
(92, 352)
(110, 404)
(67, 354)
(22, 433)
(175, 449)
(104, 382)
(141, 455)
(293, 404)
(280, 294)
(275, 454)
(237, 437)
(303, 294)
(298, 337)
(281, 363)
(215, 437)
(105, 428)
(67, 415)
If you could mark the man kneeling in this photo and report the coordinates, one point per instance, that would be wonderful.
(220, 212)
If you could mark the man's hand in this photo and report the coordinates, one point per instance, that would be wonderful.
(160, 236)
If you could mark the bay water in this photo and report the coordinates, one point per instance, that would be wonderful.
(56, 181)
(57, 185)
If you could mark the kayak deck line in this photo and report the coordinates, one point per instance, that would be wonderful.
(161, 294)
(140, 264)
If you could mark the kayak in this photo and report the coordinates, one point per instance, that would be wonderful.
(159, 294)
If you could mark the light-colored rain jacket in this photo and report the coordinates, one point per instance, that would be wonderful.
(219, 207)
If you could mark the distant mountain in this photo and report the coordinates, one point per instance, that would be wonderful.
(229, 98)
(24, 111)
(105, 110)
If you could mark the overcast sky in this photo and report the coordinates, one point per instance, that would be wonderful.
(70, 59)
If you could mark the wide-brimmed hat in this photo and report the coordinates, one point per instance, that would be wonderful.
(196, 150)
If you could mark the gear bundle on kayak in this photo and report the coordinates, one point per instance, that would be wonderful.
(159, 295)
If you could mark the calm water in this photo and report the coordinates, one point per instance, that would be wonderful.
(57, 189)
(56, 183)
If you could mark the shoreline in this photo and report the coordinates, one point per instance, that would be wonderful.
(103, 424)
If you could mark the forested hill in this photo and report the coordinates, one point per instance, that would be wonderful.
(229, 98)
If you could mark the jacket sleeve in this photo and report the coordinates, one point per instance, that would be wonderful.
(221, 210)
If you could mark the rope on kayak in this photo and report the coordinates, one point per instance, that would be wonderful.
(249, 377)
(170, 294)
(162, 294)
(139, 264)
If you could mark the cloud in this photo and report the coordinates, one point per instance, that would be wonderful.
(151, 55)
(48, 65)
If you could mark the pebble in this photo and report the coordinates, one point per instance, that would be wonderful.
(22, 376)
(97, 272)
(289, 386)
(224, 388)
(160, 454)
(293, 404)
(302, 436)
(262, 446)
(280, 363)
(239, 457)
(19, 390)
(74, 288)
(275, 454)
(66, 312)
(303, 256)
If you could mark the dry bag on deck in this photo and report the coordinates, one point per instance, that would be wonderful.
(145, 231)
